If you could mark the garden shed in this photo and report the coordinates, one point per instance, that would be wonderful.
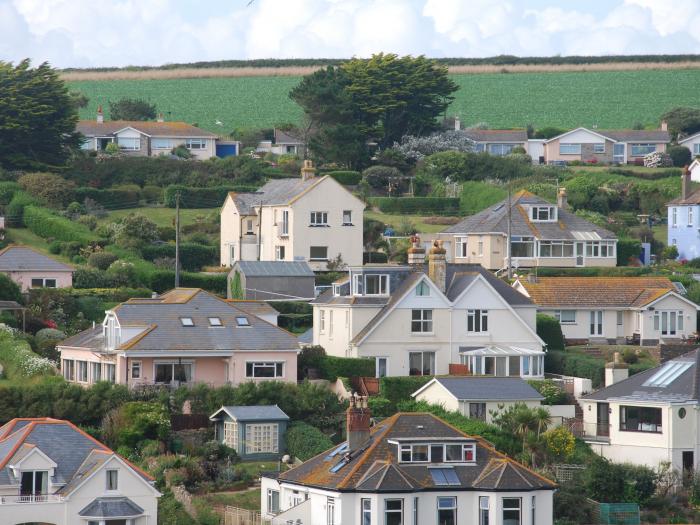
(256, 432)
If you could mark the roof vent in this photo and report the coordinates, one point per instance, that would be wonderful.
(420, 427)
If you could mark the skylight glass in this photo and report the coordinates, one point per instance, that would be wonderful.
(214, 321)
(186, 321)
(444, 476)
(668, 374)
(242, 321)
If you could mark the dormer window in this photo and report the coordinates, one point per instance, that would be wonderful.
(437, 453)
(370, 284)
(543, 213)
(186, 321)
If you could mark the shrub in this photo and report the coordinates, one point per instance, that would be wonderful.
(7, 191)
(416, 205)
(193, 256)
(122, 273)
(85, 277)
(348, 178)
(46, 224)
(628, 249)
(48, 188)
(332, 367)
(101, 260)
(680, 155)
(9, 290)
(152, 194)
(549, 330)
(121, 198)
(398, 389)
(202, 197)
(575, 364)
(17, 357)
(553, 395)
(560, 443)
(133, 231)
(163, 280)
(378, 177)
(14, 212)
(309, 357)
(134, 422)
(305, 441)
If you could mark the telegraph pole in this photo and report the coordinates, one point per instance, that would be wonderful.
(177, 239)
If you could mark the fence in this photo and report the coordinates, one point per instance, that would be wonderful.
(619, 513)
(567, 472)
(189, 421)
(238, 516)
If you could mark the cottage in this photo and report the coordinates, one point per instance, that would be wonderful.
(272, 280)
(256, 433)
(50, 470)
(31, 269)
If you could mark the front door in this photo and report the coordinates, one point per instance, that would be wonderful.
(688, 463)
(596, 322)
(619, 153)
(603, 420)
(580, 247)
(381, 366)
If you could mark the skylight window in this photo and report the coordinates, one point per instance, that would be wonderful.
(668, 374)
(444, 476)
(242, 321)
(186, 321)
(215, 321)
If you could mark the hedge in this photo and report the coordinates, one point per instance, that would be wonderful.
(626, 249)
(7, 191)
(46, 225)
(398, 389)
(349, 178)
(193, 256)
(112, 198)
(374, 257)
(305, 441)
(164, 280)
(575, 364)
(14, 211)
(413, 205)
(549, 330)
(212, 197)
(332, 367)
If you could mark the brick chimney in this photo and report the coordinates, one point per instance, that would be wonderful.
(358, 421)
(307, 170)
(664, 125)
(458, 124)
(685, 183)
(616, 371)
(562, 200)
(416, 253)
(100, 115)
(160, 118)
(437, 266)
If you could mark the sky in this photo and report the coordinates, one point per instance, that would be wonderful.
(98, 33)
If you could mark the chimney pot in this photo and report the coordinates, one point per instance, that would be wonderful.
(416, 253)
(562, 199)
(308, 171)
(664, 125)
(100, 115)
(685, 183)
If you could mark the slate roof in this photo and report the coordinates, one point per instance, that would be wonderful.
(307, 337)
(693, 198)
(495, 219)
(611, 292)
(636, 135)
(496, 135)
(275, 268)
(257, 308)
(488, 388)
(274, 192)
(283, 137)
(679, 390)
(15, 258)
(253, 413)
(120, 507)
(92, 128)
(375, 468)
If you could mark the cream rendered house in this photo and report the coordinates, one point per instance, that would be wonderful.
(312, 219)
(414, 320)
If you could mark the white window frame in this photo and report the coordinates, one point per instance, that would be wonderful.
(543, 213)
(696, 148)
(273, 509)
(383, 282)
(322, 321)
(646, 146)
(81, 371)
(674, 217)
(668, 322)
(424, 320)
(519, 508)
(285, 223)
(461, 247)
(569, 148)
(467, 453)
(556, 249)
(599, 147)
(318, 218)
(262, 438)
(565, 316)
(330, 511)
(275, 365)
(95, 366)
(595, 324)
(135, 365)
(423, 354)
(280, 254)
(173, 364)
(600, 249)
(478, 317)
(484, 504)
(311, 258)
(365, 511)
(387, 511)
(68, 369)
(347, 218)
(129, 143)
(447, 503)
(112, 480)
(196, 144)
(45, 282)
(422, 289)
(480, 246)
(109, 372)
(161, 143)
(215, 322)
(690, 215)
(231, 434)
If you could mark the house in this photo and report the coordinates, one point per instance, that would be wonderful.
(683, 224)
(613, 310)
(542, 234)
(146, 138)
(308, 219)
(499, 142)
(184, 336)
(51, 471)
(694, 169)
(272, 280)
(478, 397)
(627, 146)
(649, 418)
(256, 433)
(418, 320)
(692, 142)
(31, 269)
(408, 468)
(284, 143)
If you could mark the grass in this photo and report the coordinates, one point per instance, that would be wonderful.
(248, 499)
(395, 221)
(660, 233)
(27, 238)
(574, 98)
(161, 216)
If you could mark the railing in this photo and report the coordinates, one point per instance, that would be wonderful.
(31, 498)
(592, 431)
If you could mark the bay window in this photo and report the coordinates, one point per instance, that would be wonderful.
(68, 369)
(393, 512)
(484, 510)
(366, 507)
(522, 246)
(600, 249)
(511, 511)
(447, 510)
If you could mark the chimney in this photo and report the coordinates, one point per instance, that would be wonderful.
(664, 125)
(562, 200)
(416, 253)
(160, 118)
(458, 124)
(685, 183)
(307, 170)
(100, 115)
(437, 266)
(616, 371)
(358, 421)
(696, 376)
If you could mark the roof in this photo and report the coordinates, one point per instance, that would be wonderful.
(274, 192)
(494, 219)
(253, 413)
(117, 507)
(641, 387)
(693, 198)
(496, 135)
(307, 338)
(375, 468)
(275, 268)
(16, 258)
(624, 135)
(285, 137)
(620, 292)
(486, 388)
(92, 128)
(688, 138)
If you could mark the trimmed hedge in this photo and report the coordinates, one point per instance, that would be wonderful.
(14, 211)
(626, 249)
(398, 389)
(193, 256)
(305, 441)
(575, 364)
(112, 198)
(332, 367)
(46, 225)
(164, 280)
(549, 329)
(202, 197)
(414, 205)
(349, 178)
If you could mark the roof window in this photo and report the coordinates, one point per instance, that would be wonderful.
(668, 374)
(186, 321)
(242, 321)
(215, 321)
(444, 476)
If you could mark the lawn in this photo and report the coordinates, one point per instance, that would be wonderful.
(660, 232)
(161, 216)
(247, 499)
(395, 221)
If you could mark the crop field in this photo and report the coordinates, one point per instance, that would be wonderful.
(606, 99)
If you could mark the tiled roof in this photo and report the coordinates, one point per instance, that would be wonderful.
(283, 137)
(16, 258)
(92, 128)
(117, 507)
(495, 219)
(257, 308)
(375, 466)
(489, 388)
(275, 268)
(636, 135)
(275, 192)
(497, 135)
(693, 198)
(622, 292)
(253, 413)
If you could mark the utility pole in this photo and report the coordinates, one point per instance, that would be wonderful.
(260, 232)
(177, 239)
(510, 221)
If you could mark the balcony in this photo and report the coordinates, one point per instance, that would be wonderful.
(31, 498)
(591, 432)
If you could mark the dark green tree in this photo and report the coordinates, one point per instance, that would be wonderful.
(37, 117)
(682, 120)
(131, 109)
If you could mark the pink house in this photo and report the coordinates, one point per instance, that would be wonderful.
(31, 269)
(185, 336)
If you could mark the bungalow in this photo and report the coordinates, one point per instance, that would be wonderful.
(692, 142)
(612, 310)
(185, 336)
(284, 143)
(31, 269)
(256, 433)
(499, 142)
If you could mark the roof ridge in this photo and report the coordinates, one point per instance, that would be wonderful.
(15, 447)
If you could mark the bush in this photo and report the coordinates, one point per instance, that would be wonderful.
(202, 197)
(14, 212)
(332, 367)
(193, 256)
(680, 155)
(305, 441)
(553, 395)
(627, 250)
(378, 177)
(17, 357)
(48, 188)
(110, 198)
(101, 260)
(417, 205)
(46, 224)
(85, 277)
(348, 178)
(309, 357)
(7, 191)
(549, 330)
(132, 423)
(9, 290)
(374, 257)
(163, 280)
(575, 364)
(560, 443)
(398, 389)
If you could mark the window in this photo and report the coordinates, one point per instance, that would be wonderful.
(82, 371)
(690, 215)
(262, 438)
(477, 321)
(242, 321)
(109, 372)
(423, 289)
(231, 434)
(347, 217)
(600, 249)
(321, 321)
(532, 510)
(599, 147)
(696, 149)
(129, 143)
(136, 370)
(376, 284)
(444, 476)
(161, 144)
(596, 322)
(88, 143)
(511, 511)
(484, 510)
(112, 479)
(285, 223)
(421, 363)
(264, 369)
(501, 149)
(461, 247)
(319, 218)
(196, 143)
(619, 318)
(330, 511)
(186, 321)
(639, 150)
(437, 453)
(556, 248)
(249, 226)
(668, 322)
(415, 511)
(477, 411)
(171, 372)
(640, 419)
(280, 253)
(95, 369)
(565, 316)
(273, 501)
(569, 149)
(34, 483)
(330, 324)
(674, 217)
(522, 246)
(43, 283)
(215, 321)
(318, 253)
(447, 510)
(543, 213)
(393, 512)
(421, 321)
(480, 246)
(68, 369)
(366, 507)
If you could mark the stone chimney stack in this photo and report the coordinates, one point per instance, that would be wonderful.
(416, 253)
(664, 125)
(616, 371)
(160, 118)
(358, 421)
(458, 124)
(685, 183)
(437, 265)
(562, 199)
(100, 115)
(308, 171)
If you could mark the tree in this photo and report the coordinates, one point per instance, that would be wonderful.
(680, 155)
(682, 120)
(79, 99)
(132, 109)
(134, 230)
(50, 189)
(37, 117)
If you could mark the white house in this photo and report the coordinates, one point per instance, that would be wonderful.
(418, 320)
(51, 471)
(409, 468)
(692, 142)
(313, 219)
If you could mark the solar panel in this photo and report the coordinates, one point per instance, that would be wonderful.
(337, 467)
(342, 448)
(668, 374)
(444, 476)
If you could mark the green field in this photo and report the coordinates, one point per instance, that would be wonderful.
(608, 99)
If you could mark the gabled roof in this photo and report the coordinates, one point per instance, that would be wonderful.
(688, 138)
(494, 219)
(622, 135)
(275, 268)
(256, 308)
(16, 258)
(92, 128)
(497, 135)
(252, 413)
(286, 137)
(276, 192)
(485, 388)
(375, 467)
